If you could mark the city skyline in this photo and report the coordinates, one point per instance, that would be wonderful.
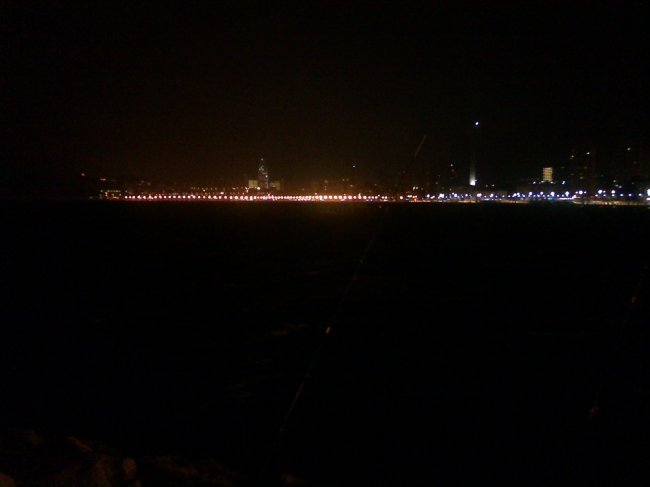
(201, 92)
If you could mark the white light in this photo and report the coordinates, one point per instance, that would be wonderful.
(476, 124)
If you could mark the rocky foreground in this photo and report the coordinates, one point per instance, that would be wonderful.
(26, 459)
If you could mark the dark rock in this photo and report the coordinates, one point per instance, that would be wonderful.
(62, 462)
(129, 468)
(170, 468)
(6, 481)
(19, 440)
(30, 460)
(101, 474)
(79, 445)
(178, 471)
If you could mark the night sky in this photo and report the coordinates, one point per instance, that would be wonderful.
(202, 91)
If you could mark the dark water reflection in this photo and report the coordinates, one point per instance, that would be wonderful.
(469, 350)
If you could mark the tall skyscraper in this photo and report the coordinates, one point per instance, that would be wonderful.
(263, 176)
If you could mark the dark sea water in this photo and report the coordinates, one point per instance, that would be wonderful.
(469, 351)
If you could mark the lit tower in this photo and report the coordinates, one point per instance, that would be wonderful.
(547, 175)
(476, 133)
(263, 176)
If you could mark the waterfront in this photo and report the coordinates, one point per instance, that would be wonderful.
(470, 349)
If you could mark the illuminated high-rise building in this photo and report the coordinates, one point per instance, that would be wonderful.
(472, 173)
(263, 176)
(473, 155)
(547, 175)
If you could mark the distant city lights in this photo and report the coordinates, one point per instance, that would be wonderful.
(601, 197)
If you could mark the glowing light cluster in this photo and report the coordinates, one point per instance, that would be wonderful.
(579, 196)
(225, 197)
